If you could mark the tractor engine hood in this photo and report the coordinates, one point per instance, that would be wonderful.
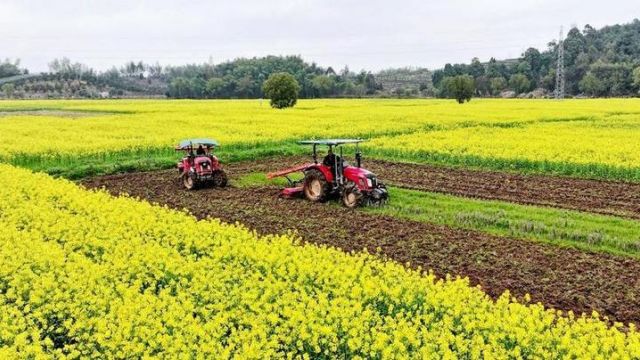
(353, 172)
(202, 159)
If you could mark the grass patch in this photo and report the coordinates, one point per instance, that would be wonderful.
(561, 227)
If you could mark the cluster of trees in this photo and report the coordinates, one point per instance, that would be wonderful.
(601, 62)
(67, 79)
(9, 68)
(244, 78)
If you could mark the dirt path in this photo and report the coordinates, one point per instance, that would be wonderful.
(558, 277)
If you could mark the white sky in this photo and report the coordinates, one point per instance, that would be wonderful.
(369, 34)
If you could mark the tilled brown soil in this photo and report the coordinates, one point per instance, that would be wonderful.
(562, 278)
(603, 197)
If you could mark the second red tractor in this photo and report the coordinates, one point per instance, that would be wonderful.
(199, 166)
(334, 177)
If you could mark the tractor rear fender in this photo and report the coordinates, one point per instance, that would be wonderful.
(325, 170)
(215, 163)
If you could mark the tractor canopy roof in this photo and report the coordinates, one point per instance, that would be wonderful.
(330, 142)
(185, 144)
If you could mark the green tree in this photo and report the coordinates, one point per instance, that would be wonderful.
(476, 69)
(214, 87)
(533, 59)
(497, 84)
(459, 87)
(323, 85)
(615, 77)
(519, 83)
(591, 85)
(180, 88)
(8, 90)
(197, 88)
(636, 78)
(282, 88)
(9, 68)
(244, 86)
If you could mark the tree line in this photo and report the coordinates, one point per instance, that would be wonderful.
(244, 78)
(603, 62)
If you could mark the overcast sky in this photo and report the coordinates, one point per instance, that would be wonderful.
(361, 34)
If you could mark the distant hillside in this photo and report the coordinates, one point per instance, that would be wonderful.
(603, 62)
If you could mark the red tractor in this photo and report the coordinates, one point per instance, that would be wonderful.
(334, 177)
(200, 167)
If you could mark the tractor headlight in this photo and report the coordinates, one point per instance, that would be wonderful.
(369, 182)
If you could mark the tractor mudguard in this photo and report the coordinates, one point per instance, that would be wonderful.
(325, 170)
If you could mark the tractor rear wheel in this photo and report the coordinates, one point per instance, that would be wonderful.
(188, 182)
(316, 188)
(220, 178)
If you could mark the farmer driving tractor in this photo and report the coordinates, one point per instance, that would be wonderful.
(331, 160)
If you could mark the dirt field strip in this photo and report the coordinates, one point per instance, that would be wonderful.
(603, 197)
(559, 277)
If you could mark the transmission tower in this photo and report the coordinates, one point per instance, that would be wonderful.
(559, 90)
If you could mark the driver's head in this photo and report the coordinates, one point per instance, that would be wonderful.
(330, 151)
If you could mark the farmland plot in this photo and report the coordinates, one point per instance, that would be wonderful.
(535, 202)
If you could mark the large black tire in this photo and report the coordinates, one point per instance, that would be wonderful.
(188, 182)
(220, 178)
(316, 188)
(351, 196)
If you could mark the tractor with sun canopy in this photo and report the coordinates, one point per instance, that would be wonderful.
(334, 177)
(199, 167)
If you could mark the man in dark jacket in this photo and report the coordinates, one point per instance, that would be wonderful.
(331, 160)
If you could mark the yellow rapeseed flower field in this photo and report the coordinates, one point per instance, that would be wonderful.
(87, 275)
(613, 142)
(115, 125)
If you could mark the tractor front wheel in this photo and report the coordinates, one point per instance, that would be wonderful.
(188, 182)
(220, 179)
(351, 196)
(316, 188)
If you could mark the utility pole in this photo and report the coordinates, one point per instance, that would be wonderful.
(559, 90)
